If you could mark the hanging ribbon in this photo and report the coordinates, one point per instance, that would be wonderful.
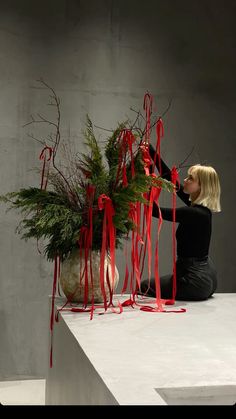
(153, 198)
(147, 106)
(135, 278)
(55, 278)
(174, 180)
(44, 178)
(43, 156)
(108, 235)
(146, 158)
(155, 194)
(125, 140)
(85, 245)
(125, 284)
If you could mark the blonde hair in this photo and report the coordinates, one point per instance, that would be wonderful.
(208, 179)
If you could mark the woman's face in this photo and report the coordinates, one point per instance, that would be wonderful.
(191, 184)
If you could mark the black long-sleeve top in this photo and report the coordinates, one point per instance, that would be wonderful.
(193, 234)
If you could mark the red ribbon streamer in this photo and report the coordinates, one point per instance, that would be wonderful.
(125, 140)
(43, 156)
(108, 234)
(174, 180)
(56, 263)
(147, 106)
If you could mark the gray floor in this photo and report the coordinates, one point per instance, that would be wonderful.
(27, 392)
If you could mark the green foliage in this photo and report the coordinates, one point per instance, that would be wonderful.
(58, 214)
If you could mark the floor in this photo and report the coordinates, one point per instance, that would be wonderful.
(27, 392)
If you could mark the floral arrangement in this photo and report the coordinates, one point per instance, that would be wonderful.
(96, 199)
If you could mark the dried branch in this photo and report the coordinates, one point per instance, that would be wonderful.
(36, 139)
(104, 129)
(52, 137)
(160, 117)
(181, 165)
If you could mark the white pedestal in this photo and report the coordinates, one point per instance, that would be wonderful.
(136, 357)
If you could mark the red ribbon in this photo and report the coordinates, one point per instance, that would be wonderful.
(108, 234)
(85, 244)
(126, 139)
(134, 215)
(126, 268)
(43, 156)
(174, 180)
(146, 158)
(147, 106)
(56, 266)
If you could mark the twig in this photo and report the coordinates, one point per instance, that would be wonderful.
(55, 102)
(104, 129)
(181, 165)
(162, 116)
(36, 139)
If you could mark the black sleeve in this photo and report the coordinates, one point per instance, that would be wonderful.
(181, 214)
(166, 174)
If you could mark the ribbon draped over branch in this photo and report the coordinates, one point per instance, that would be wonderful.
(125, 141)
(45, 171)
(147, 106)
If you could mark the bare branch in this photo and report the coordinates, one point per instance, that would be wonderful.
(46, 120)
(28, 123)
(137, 112)
(137, 118)
(36, 139)
(160, 117)
(104, 129)
(167, 109)
(181, 165)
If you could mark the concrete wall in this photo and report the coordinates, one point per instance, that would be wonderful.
(101, 57)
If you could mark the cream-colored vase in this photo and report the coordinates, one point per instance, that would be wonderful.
(73, 287)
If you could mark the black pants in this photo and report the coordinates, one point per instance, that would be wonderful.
(196, 280)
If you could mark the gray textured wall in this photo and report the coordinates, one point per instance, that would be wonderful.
(101, 57)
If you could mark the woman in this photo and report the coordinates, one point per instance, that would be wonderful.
(196, 277)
